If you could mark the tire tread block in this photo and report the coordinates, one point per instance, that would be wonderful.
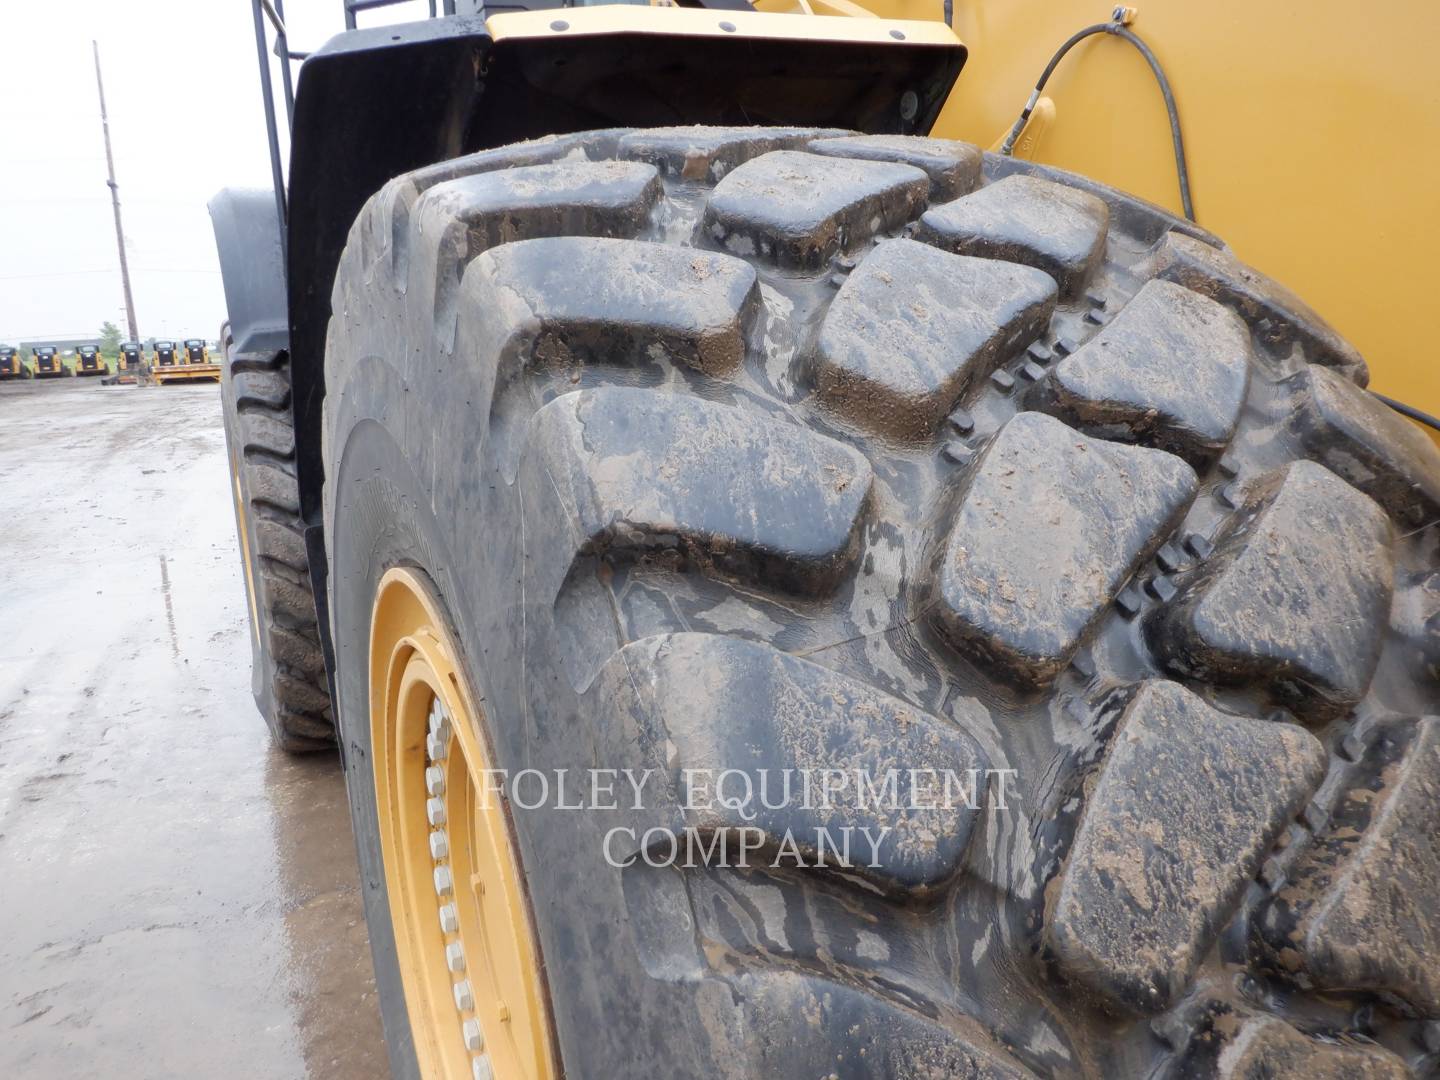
(1246, 1045)
(612, 301)
(1170, 371)
(267, 433)
(710, 703)
(1294, 598)
(914, 327)
(953, 166)
(727, 492)
(1276, 315)
(300, 731)
(1187, 802)
(1358, 909)
(302, 696)
(542, 151)
(297, 649)
(567, 198)
(282, 541)
(799, 210)
(1051, 525)
(1366, 442)
(267, 389)
(705, 153)
(272, 483)
(383, 230)
(1023, 219)
(294, 603)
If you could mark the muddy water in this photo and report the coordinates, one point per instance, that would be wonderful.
(176, 898)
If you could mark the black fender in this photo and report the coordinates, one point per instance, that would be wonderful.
(252, 269)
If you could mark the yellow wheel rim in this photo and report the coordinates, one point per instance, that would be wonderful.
(243, 528)
(474, 987)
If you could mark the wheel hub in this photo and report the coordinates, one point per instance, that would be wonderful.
(468, 961)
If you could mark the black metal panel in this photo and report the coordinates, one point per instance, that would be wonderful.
(369, 105)
(252, 269)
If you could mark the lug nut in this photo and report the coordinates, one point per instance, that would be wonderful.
(455, 957)
(444, 883)
(438, 719)
(464, 999)
(435, 812)
(435, 781)
(474, 1037)
(449, 919)
(439, 845)
(435, 747)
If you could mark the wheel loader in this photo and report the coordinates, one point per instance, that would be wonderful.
(829, 543)
(49, 363)
(12, 364)
(89, 361)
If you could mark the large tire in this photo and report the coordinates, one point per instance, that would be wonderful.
(287, 665)
(720, 454)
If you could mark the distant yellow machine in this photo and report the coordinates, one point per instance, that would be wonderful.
(48, 363)
(90, 361)
(163, 354)
(197, 358)
(12, 364)
(129, 363)
(188, 362)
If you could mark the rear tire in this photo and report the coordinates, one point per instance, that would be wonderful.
(288, 668)
(707, 481)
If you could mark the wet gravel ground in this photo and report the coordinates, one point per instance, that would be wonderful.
(177, 899)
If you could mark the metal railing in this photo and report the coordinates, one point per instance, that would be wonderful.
(273, 12)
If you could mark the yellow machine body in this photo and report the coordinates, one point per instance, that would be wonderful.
(49, 364)
(1312, 135)
(192, 363)
(90, 361)
(170, 361)
(12, 364)
(129, 362)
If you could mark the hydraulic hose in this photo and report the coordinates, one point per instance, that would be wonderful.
(1116, 29)
(1418, 415)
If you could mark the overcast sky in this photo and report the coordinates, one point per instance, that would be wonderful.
(183, 91)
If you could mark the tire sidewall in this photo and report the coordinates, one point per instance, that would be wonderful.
(363, 546)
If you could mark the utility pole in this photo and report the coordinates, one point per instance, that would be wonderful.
(115, 202)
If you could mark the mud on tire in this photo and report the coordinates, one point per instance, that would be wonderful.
(753, 447)
(288, 668)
